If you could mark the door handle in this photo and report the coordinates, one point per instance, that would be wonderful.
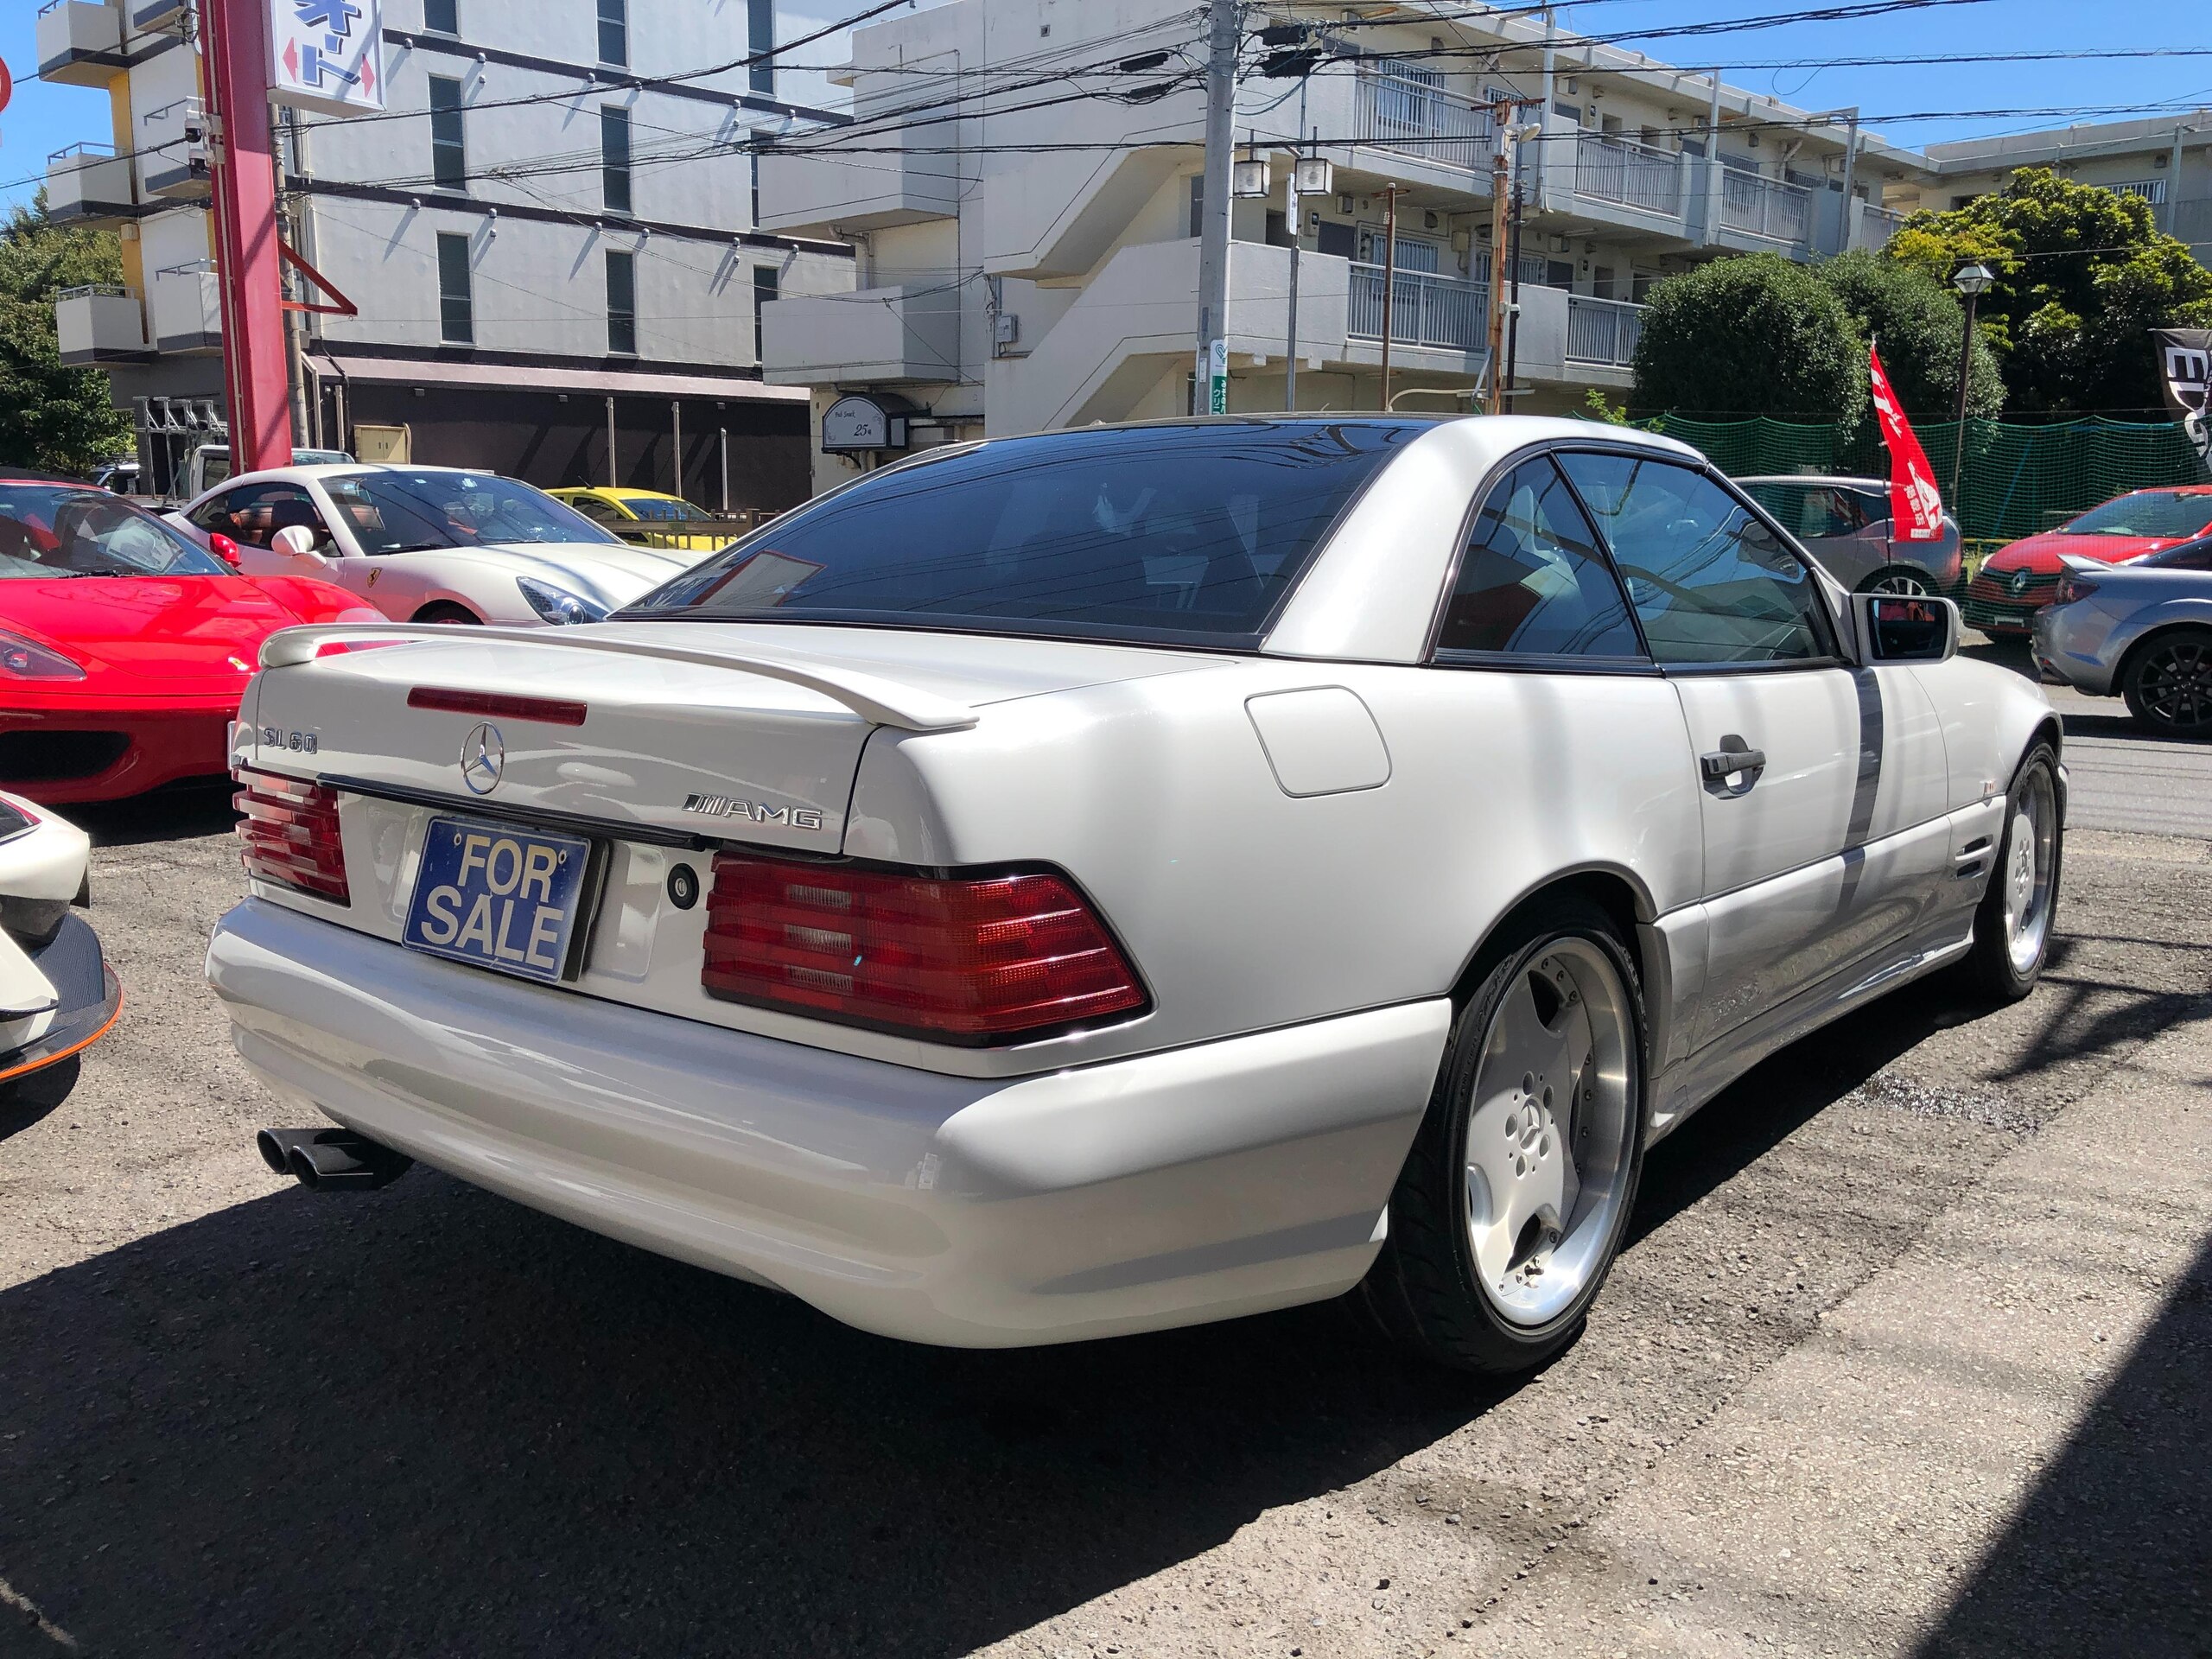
(1721, 764)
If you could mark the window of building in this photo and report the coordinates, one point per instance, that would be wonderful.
(760, 38)
(448, 160)
(456, 307)
(614, 31)
(441, 16)
(621, 303)
(614, 158)
(764, 289)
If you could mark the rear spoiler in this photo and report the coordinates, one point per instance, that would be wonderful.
(883, 702)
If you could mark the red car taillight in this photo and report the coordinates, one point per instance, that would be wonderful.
(291, 833)
(2071, 587)
(966, 960)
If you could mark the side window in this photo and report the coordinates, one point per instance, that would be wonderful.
(1532, 580)
(1711, 583)
(213, 515)
(595, 510)
(257, 512)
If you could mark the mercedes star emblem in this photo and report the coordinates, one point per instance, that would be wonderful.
(483, 754)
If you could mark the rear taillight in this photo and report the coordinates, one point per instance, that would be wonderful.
(291, 833)
(2071, 587)
(965, 960)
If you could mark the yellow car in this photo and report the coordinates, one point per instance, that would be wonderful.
(651, 519)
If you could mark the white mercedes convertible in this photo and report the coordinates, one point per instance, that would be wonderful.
(1119, 878)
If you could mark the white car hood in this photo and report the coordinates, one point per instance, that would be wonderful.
(610, 573)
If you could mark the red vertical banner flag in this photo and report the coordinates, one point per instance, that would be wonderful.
(1916, 505)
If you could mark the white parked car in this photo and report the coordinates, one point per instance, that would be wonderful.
(1125, 877)
(429, 544)
(58, 997)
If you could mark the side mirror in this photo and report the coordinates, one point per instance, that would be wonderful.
(225, 550)
(1905, 628)
(296, 540)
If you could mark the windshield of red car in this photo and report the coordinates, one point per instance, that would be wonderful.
(48, 530)
(406, 511)
(2156, 515)
(1181, 534)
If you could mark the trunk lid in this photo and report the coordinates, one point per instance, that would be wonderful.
(694, 748)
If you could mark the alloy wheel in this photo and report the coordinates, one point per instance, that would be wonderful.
(1907, 582)
(2031, 865)
(1548, 1142)
(2175, 683)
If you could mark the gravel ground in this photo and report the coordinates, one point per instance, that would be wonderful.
(236, 1417)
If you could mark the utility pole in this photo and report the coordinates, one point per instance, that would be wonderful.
(1389, 281)
(1513, 321)
(242, 195)
(1214, 197)
(1500, 113)
(1297, 240)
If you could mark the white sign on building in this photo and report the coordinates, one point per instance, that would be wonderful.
(327, 56)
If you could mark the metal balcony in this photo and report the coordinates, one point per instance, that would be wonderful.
(80, 42)
(172, 150)
(155, 14)
(1602, 330)
(1766, 207)
(89, 184)
(1426, 309)
(1401, 108)
(1633, 175)
(100, 322)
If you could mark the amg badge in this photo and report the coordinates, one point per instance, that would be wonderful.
(724, 806)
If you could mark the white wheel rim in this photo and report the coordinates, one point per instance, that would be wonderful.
(2031, 847)
(1550, 1126)
(1900, 583)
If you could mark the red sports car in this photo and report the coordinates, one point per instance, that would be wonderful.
(124, 648)
(2021, 579)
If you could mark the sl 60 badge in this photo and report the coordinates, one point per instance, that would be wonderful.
(305, 742)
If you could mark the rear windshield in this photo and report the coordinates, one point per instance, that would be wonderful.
(1186, 534)
(2156, 514)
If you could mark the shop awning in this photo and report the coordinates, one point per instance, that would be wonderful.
(625, 382)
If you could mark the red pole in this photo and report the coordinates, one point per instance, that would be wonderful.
(242, 171)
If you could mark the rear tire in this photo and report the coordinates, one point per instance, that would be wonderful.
(1515, 1198)
(2169, 684)
(1906, 578)
(446, 610)
(2013, 926)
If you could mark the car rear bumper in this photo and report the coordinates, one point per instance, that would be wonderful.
(58, 755)
(1197, 1184)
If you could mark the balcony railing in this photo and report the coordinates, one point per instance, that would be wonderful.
(2151, 190)
(1425, 310)
(1602, 330)
(1405, 109)
(1765, 207)
(1633, 175)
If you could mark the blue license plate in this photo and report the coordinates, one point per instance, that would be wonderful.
(498, 896)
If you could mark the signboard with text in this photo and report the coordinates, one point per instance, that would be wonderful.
(327, 56)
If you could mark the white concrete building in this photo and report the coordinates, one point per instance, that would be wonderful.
(2167, 162)
(550, 238)
(1027, 255)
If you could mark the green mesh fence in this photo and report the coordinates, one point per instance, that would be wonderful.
(2018, 478)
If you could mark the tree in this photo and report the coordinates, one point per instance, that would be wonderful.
(1918, 323)
(64, 419)
(1750, 336)
(2081, 274)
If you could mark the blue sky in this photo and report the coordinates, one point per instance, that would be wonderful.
(43, 118)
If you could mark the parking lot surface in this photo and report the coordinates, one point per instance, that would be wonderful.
(1907, 1356)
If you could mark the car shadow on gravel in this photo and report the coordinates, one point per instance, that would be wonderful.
(2111, 1553)
(25, 1102)
(427, 1421)
(179, 812)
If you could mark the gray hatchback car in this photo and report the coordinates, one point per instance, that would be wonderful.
(1845, 524)
(2142, 630)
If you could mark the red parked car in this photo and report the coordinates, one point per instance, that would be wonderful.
(2021, 579)
(124, 647)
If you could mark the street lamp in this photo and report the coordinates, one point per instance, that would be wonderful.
(1972, 281)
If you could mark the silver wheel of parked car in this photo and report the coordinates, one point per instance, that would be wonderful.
(1899, 579)
(2013, 926)
(1516, 1196)
(2169, 685)
(1549, 1122)
(2030, 870)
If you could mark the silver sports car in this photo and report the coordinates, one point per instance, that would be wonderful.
(2142, 631)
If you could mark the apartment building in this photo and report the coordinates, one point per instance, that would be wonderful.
(1027, 235)
(2167, 162)
(550, 243)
